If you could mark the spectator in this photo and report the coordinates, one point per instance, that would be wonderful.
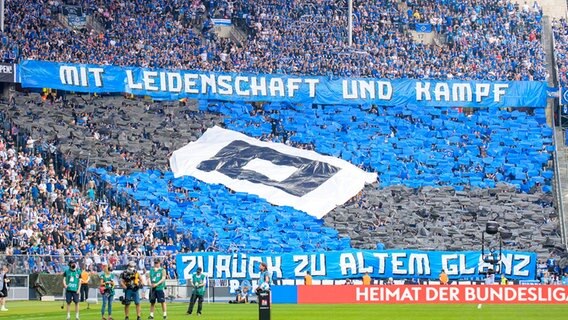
(490, 40)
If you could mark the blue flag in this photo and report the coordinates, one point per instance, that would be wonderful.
(552, 92)
(564, 100)
(423, 27)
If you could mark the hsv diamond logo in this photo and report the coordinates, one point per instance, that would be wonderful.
(281, 174)
(241, 160)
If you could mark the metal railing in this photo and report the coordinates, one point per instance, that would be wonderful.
(54, 264)
(555, 108)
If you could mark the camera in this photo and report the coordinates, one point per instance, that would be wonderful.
(123, 300)
(130, 279)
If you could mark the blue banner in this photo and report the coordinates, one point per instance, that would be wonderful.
(564, 100)
(169, 249)
(399, 264)
(173, 85)
(423, 27)
(222, 22)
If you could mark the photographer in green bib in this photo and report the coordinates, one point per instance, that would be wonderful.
(157, 287)
(199, 281)
(71, 283)
(107, 291)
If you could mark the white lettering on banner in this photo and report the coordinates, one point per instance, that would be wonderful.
(459, 294)
(234, 285)
(464, 270)
(385, 90)
(293, 86)
(5, 69)
(442, 294)
(79, 76)
(349, 94)
(239, 88)
(303, 261)
(347, 261)
(312, 83)
(223, 266)
(398, 263)
(210, 270)
(382, 257)
(482, 90)
(274, 265)
(499, 91)
(149, 80)
(462, 92)
(175, 82)
(525, 260)
(276, 86)
(423, 91)
(514, 294)
(236, 273)
(201, 83)
(367, 89)
(163, 82)
(83, 75)
(130, 81)
(419, 264)
(335, 265)
(361, 263)
(459, 92)
(208, 82)
(507, 263)
(258, 87)
(225, 85)
(387, 294)
(451, 270)
(442, 90)
(191, 261)
(190, 83)
(252, 261)
(322, 271)
(300, 269)
(484, 266)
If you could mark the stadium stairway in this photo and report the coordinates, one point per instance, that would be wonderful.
(562, 156)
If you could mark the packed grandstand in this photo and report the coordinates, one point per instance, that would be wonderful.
(87, 175)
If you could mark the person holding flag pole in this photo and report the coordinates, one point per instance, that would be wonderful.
(199, 281)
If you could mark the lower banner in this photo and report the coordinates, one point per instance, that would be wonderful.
(353, 264)
(350, 294)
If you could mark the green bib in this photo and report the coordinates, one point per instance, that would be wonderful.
(107, 278)
(196, 281)
(72, 279)
(156, 276)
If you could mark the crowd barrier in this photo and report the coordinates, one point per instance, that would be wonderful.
(430, 294)
(49, 287)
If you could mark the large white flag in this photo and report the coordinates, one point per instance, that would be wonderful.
(281, 174)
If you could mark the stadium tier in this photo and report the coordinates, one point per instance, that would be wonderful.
(560, 50)
(412, 145)
(492, 40)
(441, 173)
(88, 175)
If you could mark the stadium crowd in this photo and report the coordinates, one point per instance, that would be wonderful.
(53, 209)
(560, 29)
(489, 39)
(51, 214)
